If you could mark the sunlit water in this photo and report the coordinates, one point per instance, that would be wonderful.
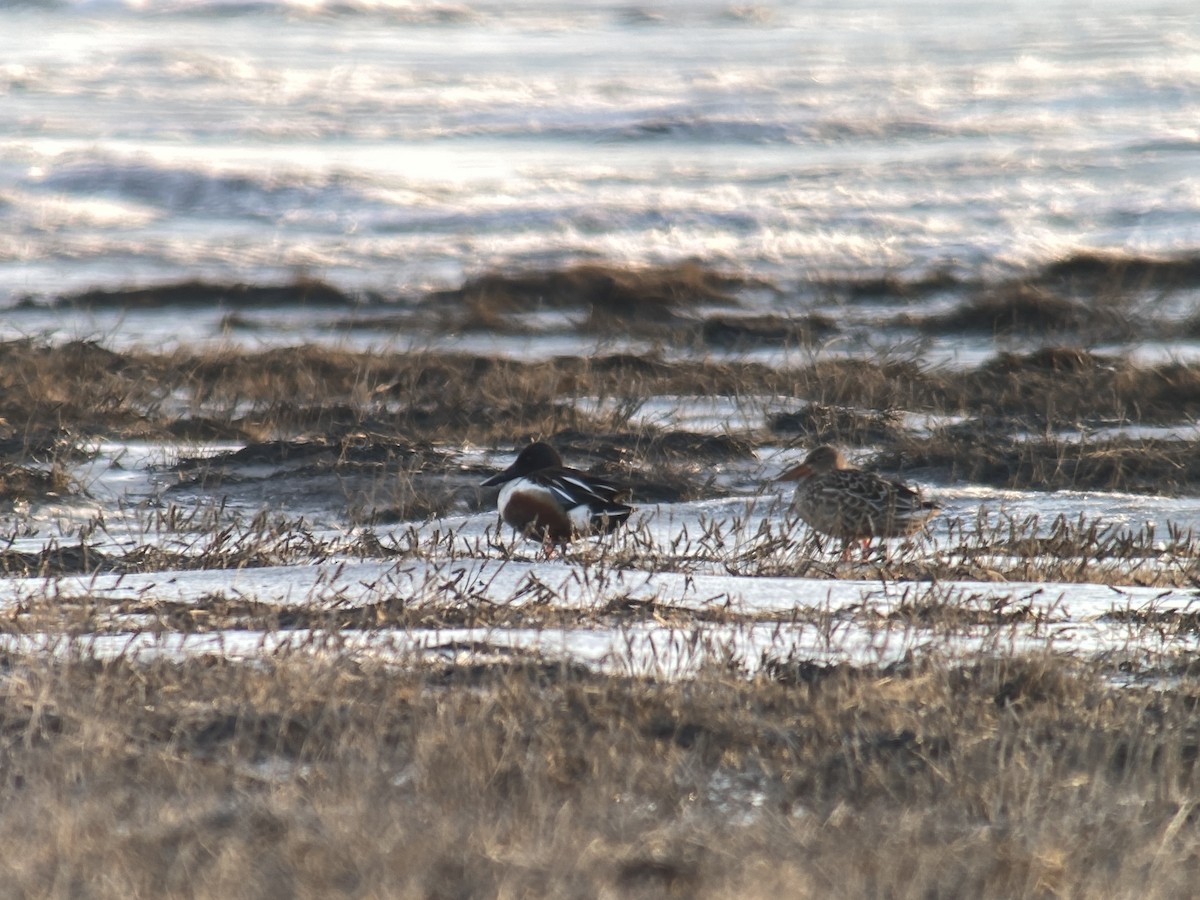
(404, 145)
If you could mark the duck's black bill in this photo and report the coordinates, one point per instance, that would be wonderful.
(499, 478)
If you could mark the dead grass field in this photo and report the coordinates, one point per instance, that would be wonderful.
(322, 776)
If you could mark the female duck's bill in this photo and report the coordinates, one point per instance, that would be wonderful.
(549, 502)
(839, 500)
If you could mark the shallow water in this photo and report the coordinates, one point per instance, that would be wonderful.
(400, 146)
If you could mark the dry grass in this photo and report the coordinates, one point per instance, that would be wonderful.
(1033, 310)
(373, 437)
(324, 772)
(604, 292)
(983, 456)
(1116, 273)
(988, 546)
(744, 332)
(304, 777)
(298, 387)
(300, 292)
(24, 483)
(84, 389)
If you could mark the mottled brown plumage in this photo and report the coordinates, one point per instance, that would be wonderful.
(836, 499)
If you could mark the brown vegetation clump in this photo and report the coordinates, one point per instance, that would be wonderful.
(975, 453)
(19, 482)
(1023, 309)
(651, 443)
(821, 424)
(1049, 359)
(743, 332)
(605, 293)
(303, 777)
(889, 286)
(1066, 386)
(75, 386)
(301, 292)
(1116, 273)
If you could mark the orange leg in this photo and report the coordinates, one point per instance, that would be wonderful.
(863, 543)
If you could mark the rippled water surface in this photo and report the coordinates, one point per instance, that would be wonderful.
(402, 146)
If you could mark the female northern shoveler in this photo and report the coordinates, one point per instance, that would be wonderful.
(548, 502)
(837, 499)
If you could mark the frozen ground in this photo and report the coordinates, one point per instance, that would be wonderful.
(687, 585)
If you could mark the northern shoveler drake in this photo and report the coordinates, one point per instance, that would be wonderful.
(549, 502)
(835, 498)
